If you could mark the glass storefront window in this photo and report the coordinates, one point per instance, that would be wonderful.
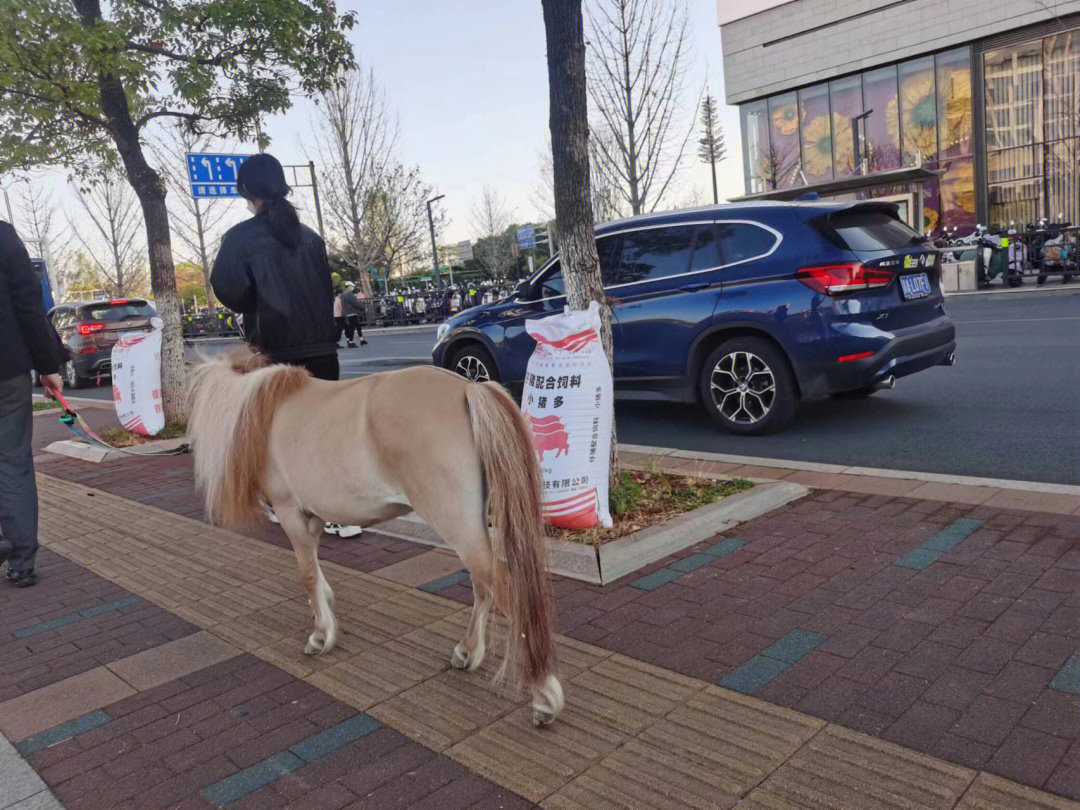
(954, 103)
(781, 164)
(882, 142)
(816, 131)
(1061, 82)
(1014, 133)
(958, 194)
(846, 98)
(755, 127)
(918, 111)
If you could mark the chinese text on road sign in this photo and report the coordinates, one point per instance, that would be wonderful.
(214, 175)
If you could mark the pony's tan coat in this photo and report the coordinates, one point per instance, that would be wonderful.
(366, 450)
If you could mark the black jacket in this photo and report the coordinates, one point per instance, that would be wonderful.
(352, 305)
(27, 340)
(285, 295)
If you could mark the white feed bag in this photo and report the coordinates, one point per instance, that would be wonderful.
(567, 402)
(136, 379)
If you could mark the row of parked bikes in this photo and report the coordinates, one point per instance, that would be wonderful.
(410, 305)
(430, 304)
(1036, 250)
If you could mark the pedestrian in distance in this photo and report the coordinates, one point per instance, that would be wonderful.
(339, 317)
(274, 270)
(354, 314)
(28, 342)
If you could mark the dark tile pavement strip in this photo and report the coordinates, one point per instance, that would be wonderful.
(77, 616)
(945, 540)
(444, 582)
(235, 787)
(773, 661)
(684, 565)
(62, 732)
(1067, 678)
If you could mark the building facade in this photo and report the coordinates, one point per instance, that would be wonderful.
(962, 111)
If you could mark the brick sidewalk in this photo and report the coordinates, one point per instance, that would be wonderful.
(948, 628)
(381, 721)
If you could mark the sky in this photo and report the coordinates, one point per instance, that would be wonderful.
(468, 80)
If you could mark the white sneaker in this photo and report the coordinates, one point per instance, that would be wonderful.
(343, 531)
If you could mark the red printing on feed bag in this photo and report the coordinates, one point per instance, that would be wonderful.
(567, 400)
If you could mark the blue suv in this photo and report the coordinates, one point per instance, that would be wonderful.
(746, 308)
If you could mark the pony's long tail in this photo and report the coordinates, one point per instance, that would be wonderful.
(512, 476)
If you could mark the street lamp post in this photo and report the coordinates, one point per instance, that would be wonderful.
(435, 250)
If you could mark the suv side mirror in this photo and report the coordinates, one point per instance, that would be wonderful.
(522, 290)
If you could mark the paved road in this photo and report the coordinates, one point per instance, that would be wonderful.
(1010, 408)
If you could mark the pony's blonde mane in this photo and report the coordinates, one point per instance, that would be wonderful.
(232, 399)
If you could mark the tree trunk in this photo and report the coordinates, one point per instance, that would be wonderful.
(150, 189)
(570, 164)
(715, 196)
(204, 259)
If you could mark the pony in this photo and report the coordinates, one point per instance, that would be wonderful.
(366, 450)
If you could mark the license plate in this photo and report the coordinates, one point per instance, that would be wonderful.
(915, 286)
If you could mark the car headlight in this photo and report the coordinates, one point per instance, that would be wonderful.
(441, 333)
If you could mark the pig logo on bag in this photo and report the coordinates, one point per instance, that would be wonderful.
(549, 433)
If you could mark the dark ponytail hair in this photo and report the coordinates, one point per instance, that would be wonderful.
(262, 178)
(283, 221)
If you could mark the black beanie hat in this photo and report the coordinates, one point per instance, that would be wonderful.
(261, 178)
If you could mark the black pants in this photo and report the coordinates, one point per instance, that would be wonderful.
(18, 491)
(323, 367)
(355, 322)
(344, 328)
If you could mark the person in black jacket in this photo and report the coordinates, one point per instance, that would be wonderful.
(28, 341)
(354, 315)
(274, 271)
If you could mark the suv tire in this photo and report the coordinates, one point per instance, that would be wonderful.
(747, 387)
(72, 378)
(473, 362)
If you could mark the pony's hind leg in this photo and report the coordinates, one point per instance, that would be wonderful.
(469, 653)
(547, 701)
(303, 532)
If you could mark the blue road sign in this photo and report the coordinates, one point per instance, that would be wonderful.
(526, 236)
(213, 175)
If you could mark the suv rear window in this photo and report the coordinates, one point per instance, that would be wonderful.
(870, 230)
(118, 312)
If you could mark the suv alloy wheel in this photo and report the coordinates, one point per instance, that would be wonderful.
(473, 362)
(747, 387)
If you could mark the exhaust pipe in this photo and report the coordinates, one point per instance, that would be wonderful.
(888, 383)
(950, 359)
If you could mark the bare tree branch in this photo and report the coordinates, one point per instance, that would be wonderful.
(109, 235)
(354, 138)
(637, 66)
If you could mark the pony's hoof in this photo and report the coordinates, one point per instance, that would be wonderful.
(542, 717)
(458, 660)
(314, 647)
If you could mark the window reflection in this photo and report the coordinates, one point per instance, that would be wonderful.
(918, 106)
(846, 98)
(817, 140)
(781, 163)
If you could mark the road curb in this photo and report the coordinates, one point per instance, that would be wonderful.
(604, 564)
(1016, 291)
(839, 469)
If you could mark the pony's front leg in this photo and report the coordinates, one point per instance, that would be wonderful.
(303, 532)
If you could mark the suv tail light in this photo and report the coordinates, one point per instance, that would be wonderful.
(836, 279)
(90, 328)
(118, 302)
